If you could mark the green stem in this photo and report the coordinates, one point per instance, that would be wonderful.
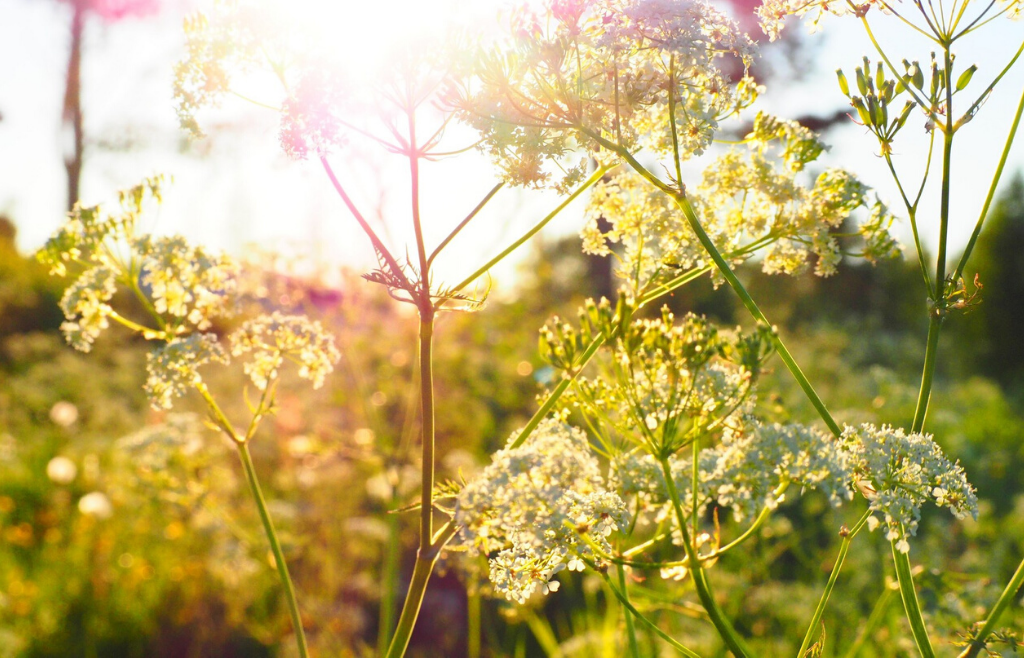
(634, 650)
(451, 236)
(427, 426)
(624, 600)
(552, 399)
(910, 602)
(752, 308)
(902, 560)
(924, 395)
(700, 582)
(844, 547)
(991, 192)
(1004, 601)
(425, 561)
(275, 546)
(428, 550)
(596, 176)
(947, 165)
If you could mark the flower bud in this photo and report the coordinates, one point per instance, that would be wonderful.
(844, 86)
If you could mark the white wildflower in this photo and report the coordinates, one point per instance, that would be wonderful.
(186, 282)
(606, 67)
(904, 471)
(270, 339)
(539, 497)
(174, 368)
(85, 305)
(751, 468)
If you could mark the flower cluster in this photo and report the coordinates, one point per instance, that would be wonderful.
(752, 469)
(271, 339)
(186, 282)
(747, 471)
(772, 14)
(184, 288)
(533, 506)
(747, 199)
(173, 369)
(588, 72)
(668, 383)
(901, 472)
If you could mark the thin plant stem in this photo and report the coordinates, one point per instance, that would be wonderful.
(844, 547)
(902, 561)
(242, 443)
(912, 214)
(924, 394)
(424, 565)
(947, 165)
(700, 582)
(752, 308)
(624, 600)
(414, 179)
(596, 176)
(427, 554)
(378, 246)
(275, 546)
(553, 398)
(910, 602)
(1005, 599)
(634, 650)
(991, 192)
(473, 213)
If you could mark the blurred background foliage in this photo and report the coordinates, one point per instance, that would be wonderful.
(124, 532)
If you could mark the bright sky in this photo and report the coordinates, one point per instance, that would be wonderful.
(238, 188)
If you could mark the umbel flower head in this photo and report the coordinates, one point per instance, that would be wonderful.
(183, 288)
(531, 505)
(666, 382)
(752, 469)
(901, 473)
(270, 339)
(747, 196)
(581, 71)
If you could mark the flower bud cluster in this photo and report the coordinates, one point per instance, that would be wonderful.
(532, 506)
(667, 383)
(900, 472)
